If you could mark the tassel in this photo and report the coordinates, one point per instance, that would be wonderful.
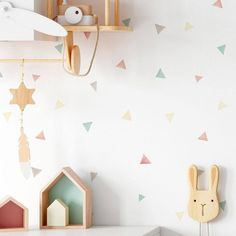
(24, 155)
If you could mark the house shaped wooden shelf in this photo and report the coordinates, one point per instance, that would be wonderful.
(68, 188)
(13, 215)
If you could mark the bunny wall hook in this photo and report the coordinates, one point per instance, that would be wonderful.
(203, 204)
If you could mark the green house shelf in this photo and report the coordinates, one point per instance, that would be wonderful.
(69, 188)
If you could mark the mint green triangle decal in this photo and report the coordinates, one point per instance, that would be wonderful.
(222, 49)
(140, 197)
(222, 205)
(160, 74)
(59, 47)
(126, 22)
(87, 125)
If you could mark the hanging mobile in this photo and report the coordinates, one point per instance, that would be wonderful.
(22, 96)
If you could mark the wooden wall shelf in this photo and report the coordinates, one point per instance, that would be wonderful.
(102, 28)
(72, 51)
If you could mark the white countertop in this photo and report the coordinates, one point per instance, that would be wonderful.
(94, 231)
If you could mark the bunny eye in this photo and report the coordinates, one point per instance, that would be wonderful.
(212, 200)
(194, 200)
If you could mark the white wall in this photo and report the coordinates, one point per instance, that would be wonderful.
(114, 147)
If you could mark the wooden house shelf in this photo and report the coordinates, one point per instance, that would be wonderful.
(69, 190)
(13, 215)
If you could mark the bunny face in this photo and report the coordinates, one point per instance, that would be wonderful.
(203, 204)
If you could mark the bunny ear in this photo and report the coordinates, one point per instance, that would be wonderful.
(214, 178)
(193, 177)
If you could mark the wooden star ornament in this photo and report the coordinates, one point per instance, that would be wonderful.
(22, 96)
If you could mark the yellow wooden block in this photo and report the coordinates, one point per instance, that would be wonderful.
(58, 214)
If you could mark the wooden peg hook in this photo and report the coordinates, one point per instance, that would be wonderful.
(72, 53)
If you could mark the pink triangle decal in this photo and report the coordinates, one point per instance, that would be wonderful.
(198, 78)
(87, 34)
(121, 65)
(203, 137)
(35, 77)
(41, 136)
(218, 3)
(145, 160)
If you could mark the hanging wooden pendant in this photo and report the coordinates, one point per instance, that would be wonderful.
(22, 96)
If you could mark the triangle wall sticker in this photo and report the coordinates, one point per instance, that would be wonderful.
(200, 172)
(159, 28)
(218, 3)
(160, 74)
(35, 77)
(221, 106)
(188, 26)
(126, 22)
(169, 117)
(87, 126)
(145, 160)
(121, 65)
(59, 104)
(59, 47)
(93, 175)
(180, 215)
(94, 85)
(222, 49)
(87, 34)
(203, 137)
(35, 171)
(127, 116)
(141, 197)
(41, 136)
(198, 78)
(222, 205)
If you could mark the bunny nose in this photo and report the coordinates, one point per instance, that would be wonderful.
(203, 208)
